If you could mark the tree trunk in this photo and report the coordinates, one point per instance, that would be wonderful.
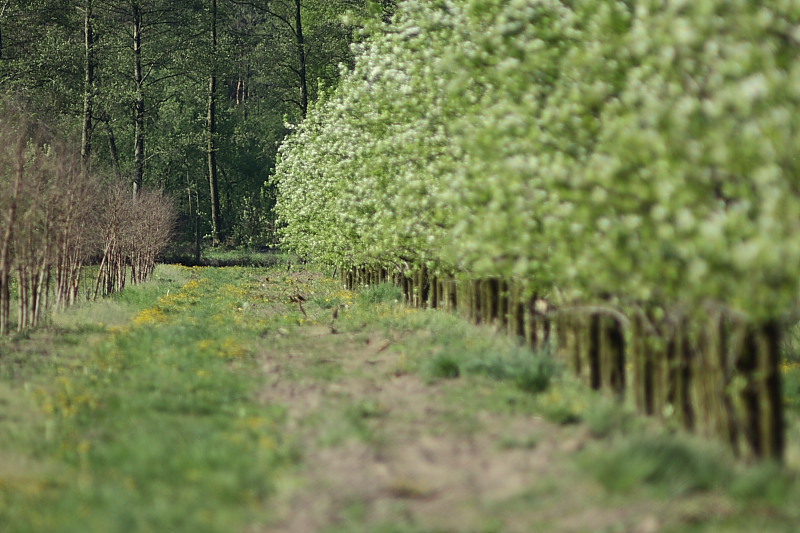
(138, 150)
(88, 83)
(211, 124)
(301, 55)
(7, 239)
(112, 149)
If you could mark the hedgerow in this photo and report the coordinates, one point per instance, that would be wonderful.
(644, 149)
(56, 215)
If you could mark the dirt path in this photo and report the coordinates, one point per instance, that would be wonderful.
(383, 449)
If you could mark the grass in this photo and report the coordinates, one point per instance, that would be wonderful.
(382, 293)
(668, 463)
(154, 427)
(221, 256)
(445, 347)
(140, 413)
(635, 460)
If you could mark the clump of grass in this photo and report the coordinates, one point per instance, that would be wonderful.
(667, 463)
(326, 302)
(767, 482)
(441, 366)
(564, 404)
(450, 348)
(531, 372)
(605, 417)
(460, 351)
(381, 293)
(790, 380)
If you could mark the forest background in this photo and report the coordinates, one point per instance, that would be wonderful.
(192, 97)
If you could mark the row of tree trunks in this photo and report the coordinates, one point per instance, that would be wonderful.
(504, 305)
(716, 376)
(593, 345)
(719, 378)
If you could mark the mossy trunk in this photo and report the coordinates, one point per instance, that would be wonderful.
(760, 397)
(612, 355)
(643, 368)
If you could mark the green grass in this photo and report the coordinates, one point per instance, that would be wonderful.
(380, 294)
(668, 463)
(443, 346)
(221, 256)
(154, 426)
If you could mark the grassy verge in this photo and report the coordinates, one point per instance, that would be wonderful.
(146, 416)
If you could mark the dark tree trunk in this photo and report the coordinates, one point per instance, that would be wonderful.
(88, 87)
(211, 123)
(139, 109)
(112, 147)
(5, 243)
(301, 55)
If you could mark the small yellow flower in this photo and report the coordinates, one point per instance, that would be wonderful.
(206, 344)
(267, 443)
(154, 315)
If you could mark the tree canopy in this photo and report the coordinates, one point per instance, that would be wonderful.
(134, 77)
(643, 149)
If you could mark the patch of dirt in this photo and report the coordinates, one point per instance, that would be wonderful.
(422, 461)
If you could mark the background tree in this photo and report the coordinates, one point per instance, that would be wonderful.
(133, 80)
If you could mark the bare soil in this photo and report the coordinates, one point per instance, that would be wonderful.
(416, 460)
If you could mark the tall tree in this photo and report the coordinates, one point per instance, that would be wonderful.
(175, 93)
(211, 146)
(302, 70)
(306, 40)
(89, 82)
(2, 21)
(138, 101)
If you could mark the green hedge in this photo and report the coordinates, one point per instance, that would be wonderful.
(646, 149)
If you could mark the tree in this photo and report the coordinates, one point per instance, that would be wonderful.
(211, 147)
(89, 82)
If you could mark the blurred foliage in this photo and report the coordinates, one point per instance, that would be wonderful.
(42, 62)
(644, 149)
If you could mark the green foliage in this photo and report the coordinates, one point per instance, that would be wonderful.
(441, 366)
(643, 149)
(256, 61)
(767, 482)
(452, 349)
(530, 372)
(664, 463)
(381, 293)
